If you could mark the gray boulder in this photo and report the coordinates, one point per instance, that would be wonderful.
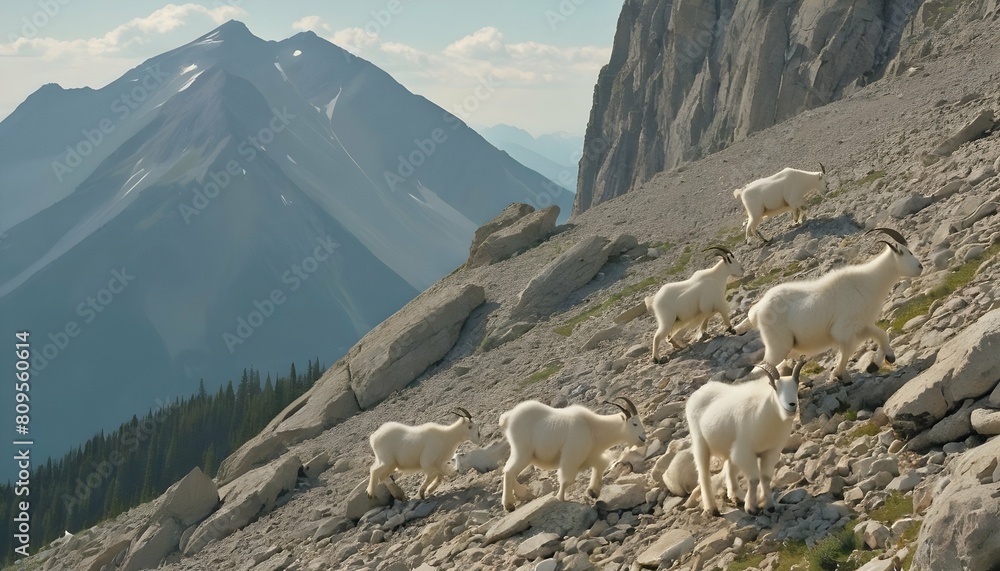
(189, 500)
(568, 272)
(971, 131)
(909, 204)
(521, 234)
(507, 217)
(149, 549)
(966, 367)
(961, 530)
(397, 351)
(544, 514)
(358, 502)
(245, 499)
(671, 546)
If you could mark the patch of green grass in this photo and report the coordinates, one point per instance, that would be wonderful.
(921, 304)
(897, 506)
(867, 429)
(792, 555)
(909, 537)
(851, 415)
(834, 551)
(682, 262)
(811, 368)
(870, 177)
(543, 373)
(567, 328)
(746, 561)
(729, 236)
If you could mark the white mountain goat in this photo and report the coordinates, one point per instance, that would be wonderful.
(747, 425)
(568, 439)
(839, 309)
(680, 304)
(426, 448)
(780, 192)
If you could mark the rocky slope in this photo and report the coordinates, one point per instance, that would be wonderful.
(895, 466)
(689, 77)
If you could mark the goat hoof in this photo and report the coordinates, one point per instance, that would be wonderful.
(659, 360)
(593, 494)
(731, 330)
(872, 368)
(508, 507)
(890, 358)
(370, 497)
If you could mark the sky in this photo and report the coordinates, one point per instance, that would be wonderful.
(536, 61)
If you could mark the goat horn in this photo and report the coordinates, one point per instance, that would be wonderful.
(725, 251)
(461, 412)
(889, 232)
(771, 370)
(631, 405)
(822, 168)
(623, 409)
(797, 369)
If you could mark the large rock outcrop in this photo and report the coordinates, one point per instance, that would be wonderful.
(689, 77)
(393, 354)
(509, 233)
(966, 368)
(962, 527)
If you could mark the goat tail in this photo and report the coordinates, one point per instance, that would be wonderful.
(737, 192)
(503, 421)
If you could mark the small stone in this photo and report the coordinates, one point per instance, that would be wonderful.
(541, 545)
(986, 421)
(904, 482)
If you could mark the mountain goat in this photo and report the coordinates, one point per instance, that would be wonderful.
(778, 193)
(839, 309)
(568, 439)
(426, 448)
(679, 304)
(747, 425)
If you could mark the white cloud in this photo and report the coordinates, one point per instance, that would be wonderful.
(313, 23)
(483, 43)
(135, 32)
(354, 40)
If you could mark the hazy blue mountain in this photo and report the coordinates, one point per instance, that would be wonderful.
(554, 155)
(232, 202)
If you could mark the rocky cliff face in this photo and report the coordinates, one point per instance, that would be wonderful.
(689, 77)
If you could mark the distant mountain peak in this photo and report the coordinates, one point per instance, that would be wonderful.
(231, 31)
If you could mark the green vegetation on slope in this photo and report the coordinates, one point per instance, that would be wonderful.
(111, 473)
(921, 304)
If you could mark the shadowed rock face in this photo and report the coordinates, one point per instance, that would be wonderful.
(688, 77)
